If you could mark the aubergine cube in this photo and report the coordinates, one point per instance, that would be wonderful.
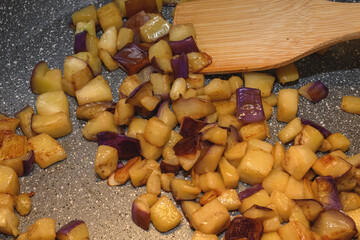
(28, 163)
(249, 106)
(127, 147)
(326, 191)
(94, 109)
(187, 145)
(134, 6)
(170, 166)
(75, 229)
(194, 107)
(321, 129)
(334, 224)
(144, 74)
(310, 207)
(317, 91)
(155, 29)
(180, 66)
(187, 45)
(141, 91)
(135, 22)
(140, 210)
(80, 42)
(155, 65)
(212, 218)
(244, 228)
(132, 58)
(190, 127)
(25, 116)
(233, 136)
(22, 165)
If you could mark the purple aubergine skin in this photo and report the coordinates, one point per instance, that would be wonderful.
(330, 195)
(169, 168)
(233, 133)
(132, 7)
(250, 191)
(119, 165)
(187, 45)
(162, 106)
(262, 208)
(80, 42)
(249, 106)
(180, 66)
(69, 226)
(28, 163)
(187, 145)
(321, 129)
(190, 127)
(317, 91)
(143, 89)
(155, 65)
(244, 228)
(132, 58)
(127, 147)
(140, 217)
(135, 22)
(132, 94)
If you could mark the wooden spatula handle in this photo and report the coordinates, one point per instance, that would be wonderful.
(335, 20)
(248, 35)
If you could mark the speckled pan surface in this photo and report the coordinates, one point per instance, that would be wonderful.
(32, 30)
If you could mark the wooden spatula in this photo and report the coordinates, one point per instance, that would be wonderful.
(249, 35)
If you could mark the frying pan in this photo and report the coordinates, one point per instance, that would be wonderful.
(32, 31)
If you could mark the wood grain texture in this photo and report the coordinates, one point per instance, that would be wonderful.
(249, 35)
